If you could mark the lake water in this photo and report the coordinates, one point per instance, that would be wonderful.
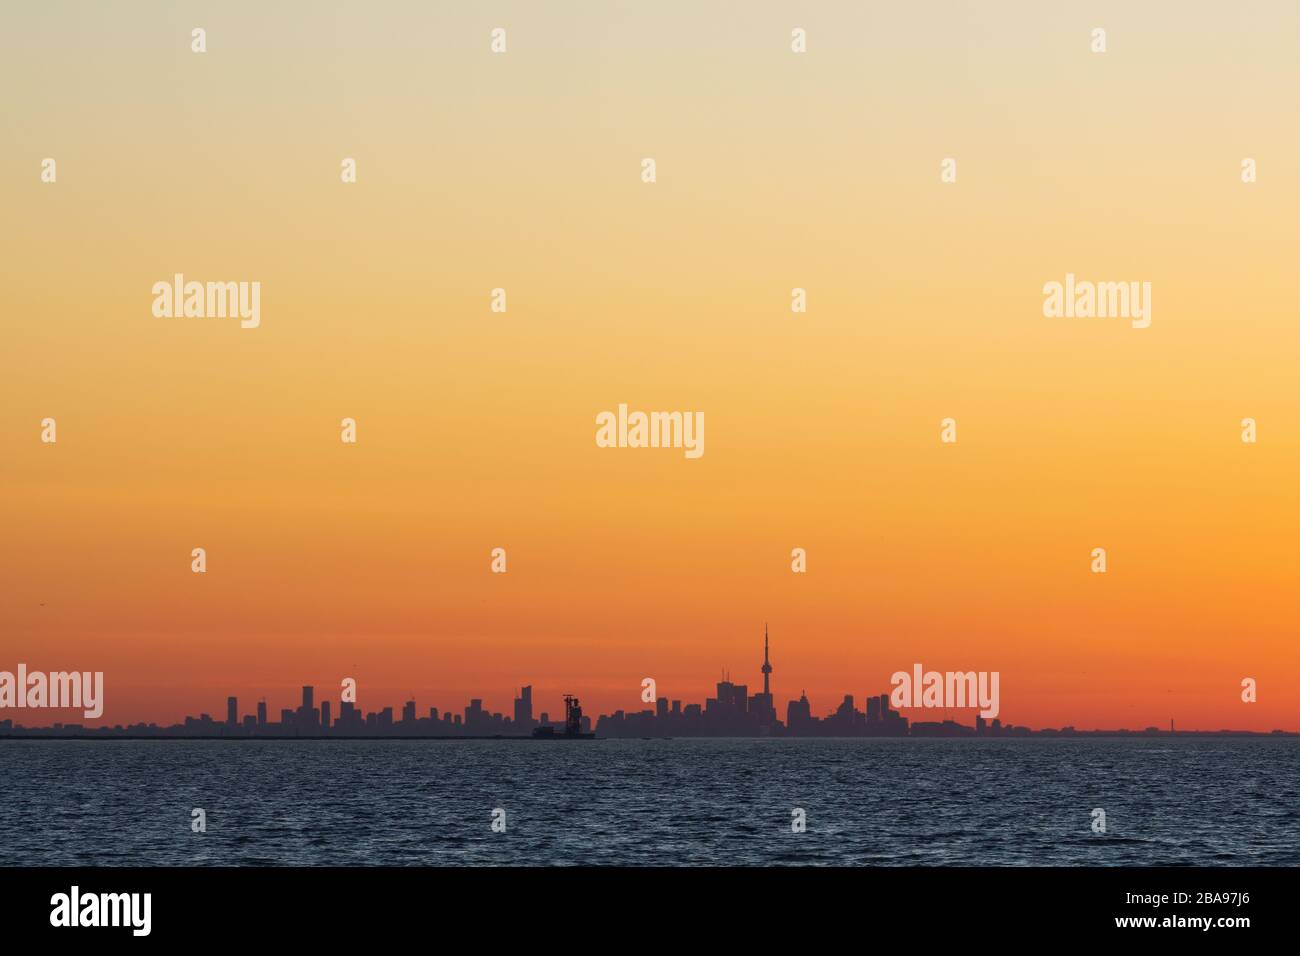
(1208, 801)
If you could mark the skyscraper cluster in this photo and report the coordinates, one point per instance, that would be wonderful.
(731, 712)
(734, 712)
(311, 720)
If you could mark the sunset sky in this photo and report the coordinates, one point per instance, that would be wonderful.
(476, 429)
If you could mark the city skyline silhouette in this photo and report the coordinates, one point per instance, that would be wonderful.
(732, 712)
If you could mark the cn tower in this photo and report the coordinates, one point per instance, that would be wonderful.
(767, 665)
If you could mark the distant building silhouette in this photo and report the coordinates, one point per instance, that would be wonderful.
(732, 712)
(524, 710)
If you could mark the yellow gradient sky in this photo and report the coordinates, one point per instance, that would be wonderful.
(476, 430)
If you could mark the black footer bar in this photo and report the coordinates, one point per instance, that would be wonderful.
(327, 906)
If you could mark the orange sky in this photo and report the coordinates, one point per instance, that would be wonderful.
(476, 429)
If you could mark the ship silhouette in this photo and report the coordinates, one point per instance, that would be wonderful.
(572, 724)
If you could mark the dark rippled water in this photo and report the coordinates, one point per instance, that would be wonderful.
(881, 802)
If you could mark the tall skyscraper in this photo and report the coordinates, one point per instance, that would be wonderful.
(232, 711)
(524, 708)
(308, 719)
(846, 710)
(474, 713)
(325, 715)
(726, 695)
(261, 713)
(798, 713)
